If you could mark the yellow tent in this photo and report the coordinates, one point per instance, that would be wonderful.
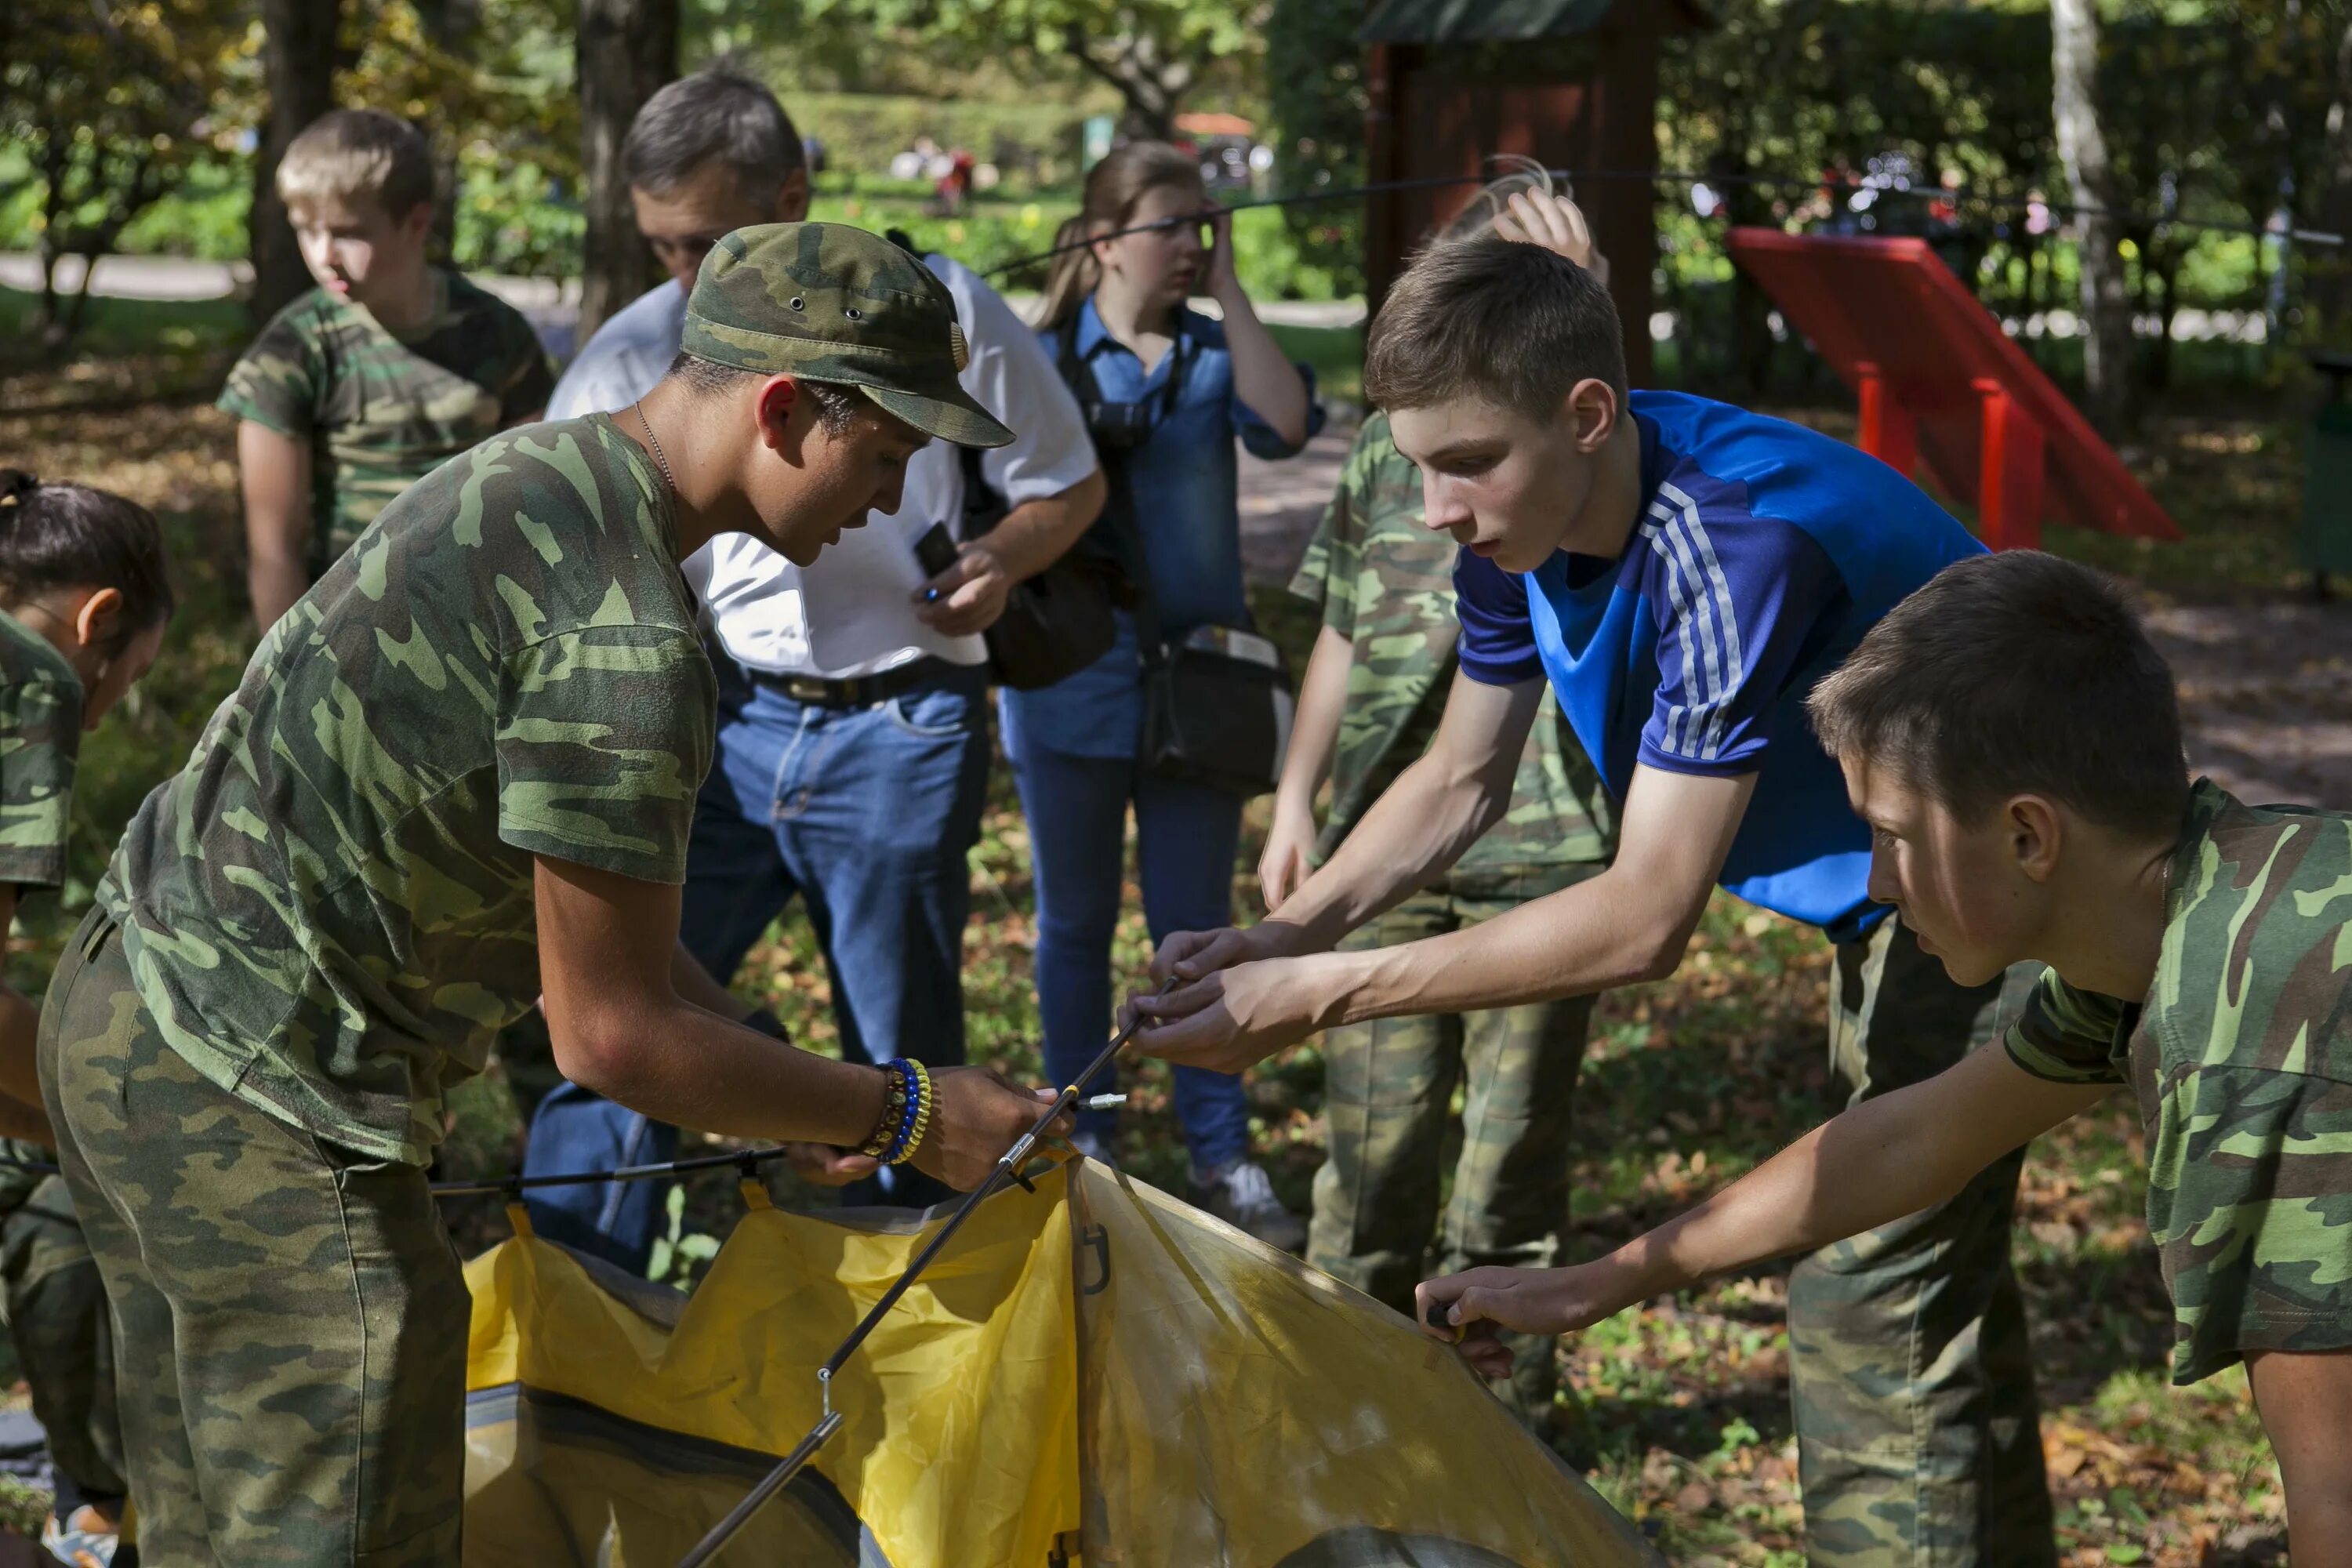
(1089, 1374)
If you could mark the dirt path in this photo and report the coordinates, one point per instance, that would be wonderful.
(2266, 686)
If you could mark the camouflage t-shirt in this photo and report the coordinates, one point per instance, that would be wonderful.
(329, 911)
(40, 730)
(2240, 1054)
(381, 410)
(1386, 584)
(40, 733)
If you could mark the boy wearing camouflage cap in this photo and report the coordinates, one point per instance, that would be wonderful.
(388, 368)
(2032, 804)
(458, 775)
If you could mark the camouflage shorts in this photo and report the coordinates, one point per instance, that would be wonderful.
(1918, 1436)
(291, 1319)
(1390, 1088)
(56, 1313)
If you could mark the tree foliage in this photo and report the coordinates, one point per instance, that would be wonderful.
(1316, 96)
(1153, 52)
(110, 104)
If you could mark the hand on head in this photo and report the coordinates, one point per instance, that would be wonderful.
(1555, 223)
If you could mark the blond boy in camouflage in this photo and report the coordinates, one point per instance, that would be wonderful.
(387, 369)
(2013, 742)
(458, 775)
(1368, 707)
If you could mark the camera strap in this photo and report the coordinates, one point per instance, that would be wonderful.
(1119, 511)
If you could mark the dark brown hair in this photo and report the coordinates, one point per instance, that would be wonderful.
(2015, 674)
(1482, 316)
(71, 536)
(837, 406)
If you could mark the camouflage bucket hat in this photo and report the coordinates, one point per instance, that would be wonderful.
(828, 302)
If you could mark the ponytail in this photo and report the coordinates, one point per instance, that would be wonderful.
(72, 536)
(1074, 271)
(1115, 188)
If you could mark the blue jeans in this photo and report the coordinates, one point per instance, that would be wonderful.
(1186, 835)
(869, 815)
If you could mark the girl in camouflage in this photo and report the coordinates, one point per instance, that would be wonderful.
(83, 601)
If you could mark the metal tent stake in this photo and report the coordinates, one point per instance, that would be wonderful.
(1005, 1172)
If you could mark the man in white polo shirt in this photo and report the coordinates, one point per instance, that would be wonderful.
(853, 742)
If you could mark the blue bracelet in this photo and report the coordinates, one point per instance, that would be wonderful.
(908, 1113)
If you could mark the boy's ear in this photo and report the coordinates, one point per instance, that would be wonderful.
(417, 221)
(1592, 413)
(777, 397)
(2037, 836)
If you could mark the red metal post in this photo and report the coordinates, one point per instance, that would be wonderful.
(2010, 472)
(1889, 432)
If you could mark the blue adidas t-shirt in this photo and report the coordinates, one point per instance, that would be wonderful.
(1763, 554)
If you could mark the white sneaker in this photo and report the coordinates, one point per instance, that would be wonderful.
(1241, 1195)
(88, 1540)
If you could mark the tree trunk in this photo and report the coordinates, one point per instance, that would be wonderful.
(2083, 148)
(627, 51)
(298, 55)
(2330, 269)
(451, 25)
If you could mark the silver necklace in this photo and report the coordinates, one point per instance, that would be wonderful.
(667, 478)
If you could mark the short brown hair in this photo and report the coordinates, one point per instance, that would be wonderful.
(348, 153)
(2009, 674)
(1483, 316)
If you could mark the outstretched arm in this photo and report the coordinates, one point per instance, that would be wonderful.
(1882, 1160)
(608, 948)
(1629, 923)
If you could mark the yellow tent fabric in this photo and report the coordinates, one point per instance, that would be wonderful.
(1091, 1374)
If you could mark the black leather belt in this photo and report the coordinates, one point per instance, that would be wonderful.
(863, 691)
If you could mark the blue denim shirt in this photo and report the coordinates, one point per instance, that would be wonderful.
(1187, 487)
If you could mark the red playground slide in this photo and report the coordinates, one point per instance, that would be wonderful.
(1938, 379)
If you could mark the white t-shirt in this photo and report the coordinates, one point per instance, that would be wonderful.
(629, 354)
(853, 613)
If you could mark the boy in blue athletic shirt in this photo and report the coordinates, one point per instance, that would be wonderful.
(1681, 573)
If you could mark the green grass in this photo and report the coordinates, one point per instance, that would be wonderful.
(113, 328)
(1335, 353)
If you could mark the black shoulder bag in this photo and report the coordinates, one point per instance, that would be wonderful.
(1056, 623)
(1217, 700)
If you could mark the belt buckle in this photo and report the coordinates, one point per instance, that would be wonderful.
(805, 688)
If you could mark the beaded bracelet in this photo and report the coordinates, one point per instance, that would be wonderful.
(899, 1124)
(921, 1125)
(898, 1089)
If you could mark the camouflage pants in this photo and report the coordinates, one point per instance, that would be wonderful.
(57, 1311)
(289, 1319)
(1918, 1437)
(1389, 1089)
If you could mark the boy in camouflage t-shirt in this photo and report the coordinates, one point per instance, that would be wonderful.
(456, 777)
(1370, 701)
(2014, 740)
(387, 369)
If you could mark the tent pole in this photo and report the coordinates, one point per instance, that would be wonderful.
(1006, 1170)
